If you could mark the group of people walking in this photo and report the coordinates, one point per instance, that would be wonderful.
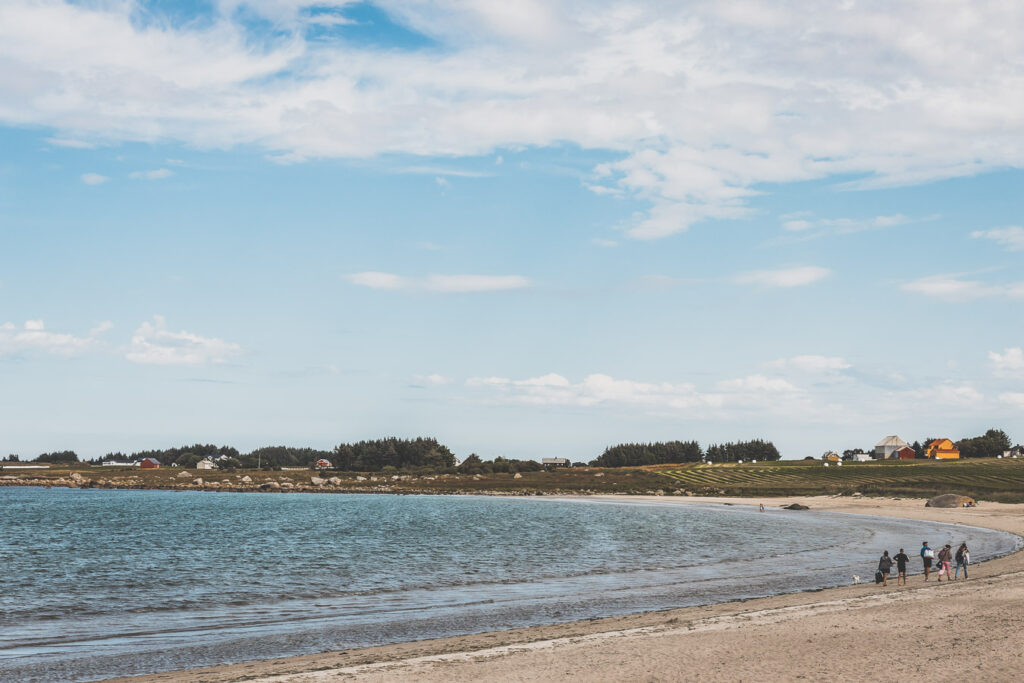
(945, 557)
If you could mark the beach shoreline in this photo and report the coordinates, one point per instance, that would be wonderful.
(714, 642)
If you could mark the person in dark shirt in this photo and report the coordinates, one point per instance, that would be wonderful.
(901, 567)
(885, 566)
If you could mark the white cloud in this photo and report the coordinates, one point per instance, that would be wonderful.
(705, 104)
(1012, 237)
(955, 288)
(757, 383)
(783, 277)
(440, 283)
(154, 344)
(842, 226)
(34, 337)
(155, 174)
(375, 280)
(1009, 363)
(602, 242)
(1014, 399)
(475, 283)
(71, 143)
(812, 364)
(94, 178)
(433, 380)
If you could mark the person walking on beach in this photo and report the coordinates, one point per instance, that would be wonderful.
(901, 567)
(762, 507)
(963, 558)
(884, 567)
(944, 558)
(926, 557)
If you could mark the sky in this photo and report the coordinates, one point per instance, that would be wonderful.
(530, 229)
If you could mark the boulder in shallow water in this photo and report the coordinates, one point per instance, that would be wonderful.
(795, 506)
(951, 500)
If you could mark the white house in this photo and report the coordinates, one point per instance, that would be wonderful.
(861, 457)
(887, 447)
(206, 464)
(555, 462)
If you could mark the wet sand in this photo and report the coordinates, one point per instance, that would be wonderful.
(940, 631)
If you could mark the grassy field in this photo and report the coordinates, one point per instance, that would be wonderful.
(988, 479)
(994, 480)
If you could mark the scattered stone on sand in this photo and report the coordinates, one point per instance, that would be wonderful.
(335, 481)
(198, 481)
(951, 500)
(317, 481)
(795, 506)
(184, 475)
(246, 479)
(517, 476)
(360, 478)
(599, 474)
(270, 486)
(77, 477)
(287, 485)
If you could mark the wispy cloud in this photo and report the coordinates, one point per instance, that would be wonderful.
(812, 364)
(93, 178)
(70, 143)
(955, 288)
(154, 344)
(439, 283)
(1011, 238)
(784, 277)
(841, 226)
(154, 174)
(434, 380)
(34, 337)
(700, 131)
(1009, 363)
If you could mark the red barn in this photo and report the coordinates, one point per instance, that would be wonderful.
(150, 464)
(323, 464)
(905, 453)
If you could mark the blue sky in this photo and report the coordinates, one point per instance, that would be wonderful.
(528, 230)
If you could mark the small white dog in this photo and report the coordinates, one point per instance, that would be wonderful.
(856, 579)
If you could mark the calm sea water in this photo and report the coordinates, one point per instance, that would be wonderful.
(102, 583)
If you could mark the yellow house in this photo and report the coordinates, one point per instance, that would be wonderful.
(942, 449)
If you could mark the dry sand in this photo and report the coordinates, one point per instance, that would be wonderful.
(937, 632)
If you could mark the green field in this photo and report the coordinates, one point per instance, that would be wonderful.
(997, 480)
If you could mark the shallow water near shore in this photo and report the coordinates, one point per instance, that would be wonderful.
(102, 583)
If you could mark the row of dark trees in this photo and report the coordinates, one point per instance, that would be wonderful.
(364, 456)
(633, 454)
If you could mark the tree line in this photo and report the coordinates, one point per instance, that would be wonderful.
(673, 452)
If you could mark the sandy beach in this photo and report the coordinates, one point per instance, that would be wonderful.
(939, 631)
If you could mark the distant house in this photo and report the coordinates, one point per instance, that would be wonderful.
(942, 449)
(323, 463)
(887, 447)
(206, 464)
(149, 464)
(1017, 452)
(905, 453)
(857, 457)
(830, 456)
(551, 463)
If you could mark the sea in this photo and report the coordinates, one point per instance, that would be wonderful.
(102, 583)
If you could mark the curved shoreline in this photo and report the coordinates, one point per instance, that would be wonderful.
(868, 620)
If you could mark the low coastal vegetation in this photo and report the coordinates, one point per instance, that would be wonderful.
(423, 465)
(983, 479)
